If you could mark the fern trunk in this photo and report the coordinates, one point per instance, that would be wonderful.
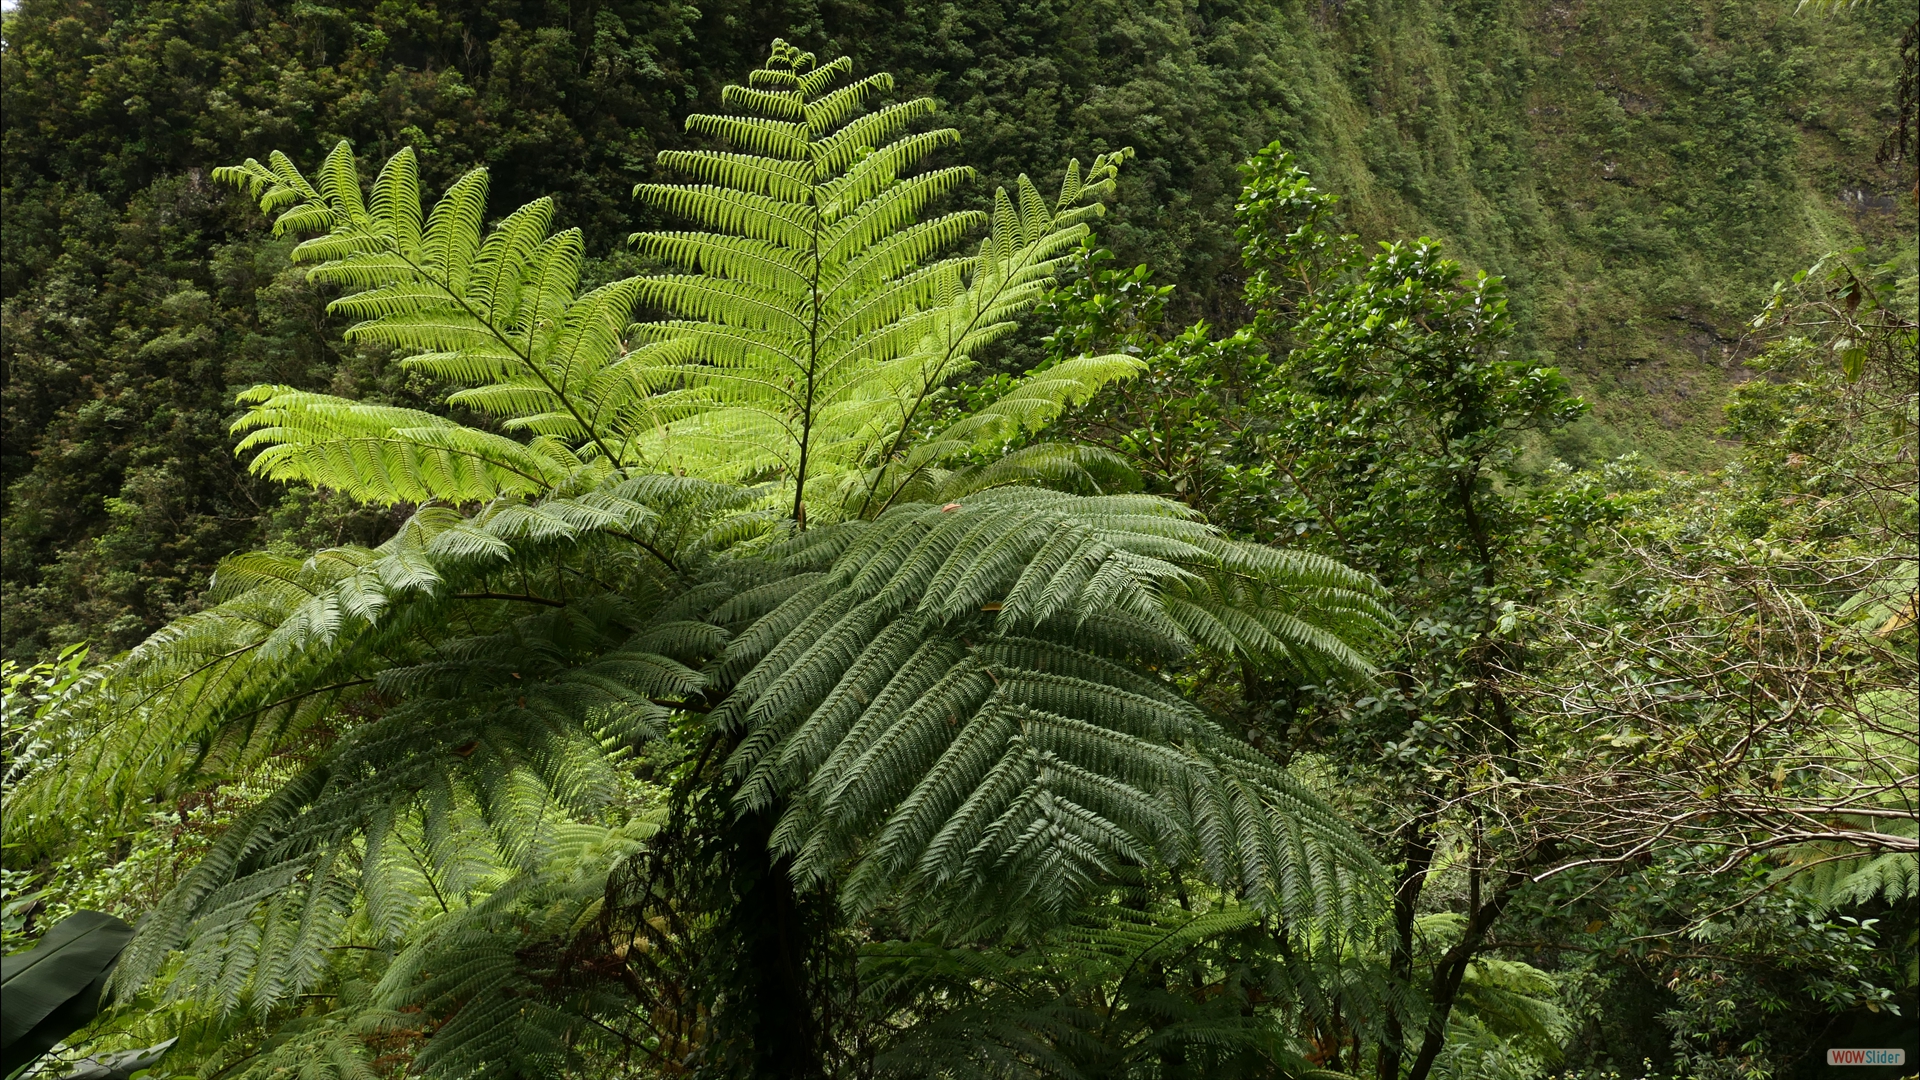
(775, 934)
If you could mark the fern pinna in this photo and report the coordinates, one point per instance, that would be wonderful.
(953, 714)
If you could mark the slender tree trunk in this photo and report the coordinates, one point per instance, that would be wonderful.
(1453, 968)
(1416, 857)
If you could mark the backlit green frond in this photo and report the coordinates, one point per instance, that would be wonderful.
(386, 455)
(821, 312)
(822, 307)
(498, 311)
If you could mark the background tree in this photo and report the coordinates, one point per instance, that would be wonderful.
(1367, 410)
(1398, 421)
(1729, 753)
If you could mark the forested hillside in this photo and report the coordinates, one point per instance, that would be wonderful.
(1104, 542)
(1640, 172)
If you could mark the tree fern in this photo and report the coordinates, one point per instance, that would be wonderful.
(949, 705)
(948, 674)
(1830, 876)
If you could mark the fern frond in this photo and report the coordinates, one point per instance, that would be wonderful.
(922, 714)
(497, 310)
(820, 314)
(288, 641)
(1116, 992)
(385, 455)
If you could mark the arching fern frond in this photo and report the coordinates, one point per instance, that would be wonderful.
(385, 455)
(499, 312)
(491, 747)
(953, 710)
(289, 641)
(1824, 875)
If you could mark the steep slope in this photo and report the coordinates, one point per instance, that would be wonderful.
(1641, 171)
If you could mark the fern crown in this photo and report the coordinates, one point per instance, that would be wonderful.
(813, 322)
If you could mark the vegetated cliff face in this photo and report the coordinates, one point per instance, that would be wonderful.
(1640, 170)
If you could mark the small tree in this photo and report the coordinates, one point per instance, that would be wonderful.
(1369, 411)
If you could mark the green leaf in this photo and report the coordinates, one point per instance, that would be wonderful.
(53, 989)
(1853, 362)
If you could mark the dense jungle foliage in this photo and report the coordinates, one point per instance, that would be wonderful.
(552, 541)
(1640, 174)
